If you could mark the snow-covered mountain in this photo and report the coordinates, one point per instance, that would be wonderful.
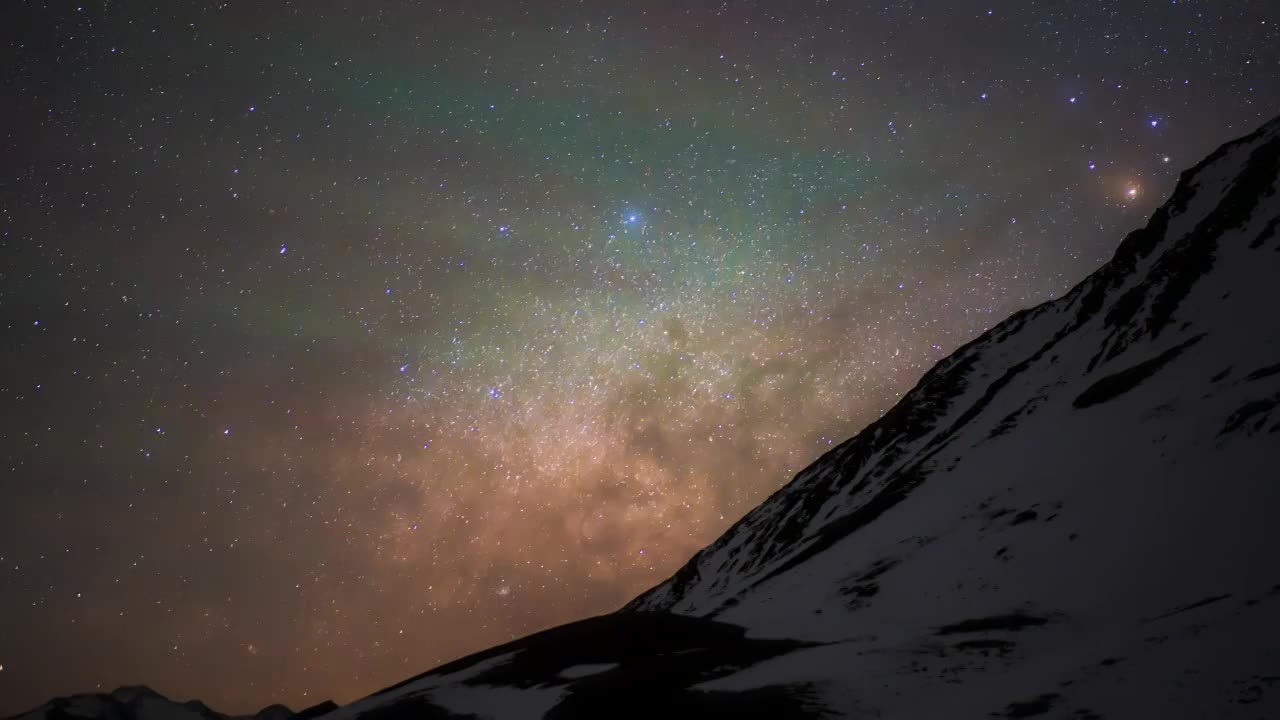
(1076, 515)
(143, 703)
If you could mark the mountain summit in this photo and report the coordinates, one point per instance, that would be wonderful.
(1074, 515)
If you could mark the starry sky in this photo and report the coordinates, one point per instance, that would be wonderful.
(341, 340)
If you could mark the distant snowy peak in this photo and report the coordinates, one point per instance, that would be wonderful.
(1127, 320)
(137, 702)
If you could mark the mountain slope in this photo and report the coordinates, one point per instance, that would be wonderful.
(1118, 326)
(1071, 516)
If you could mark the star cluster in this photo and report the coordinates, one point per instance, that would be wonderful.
(342, 340)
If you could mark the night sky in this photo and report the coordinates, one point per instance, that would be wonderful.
(341, 340)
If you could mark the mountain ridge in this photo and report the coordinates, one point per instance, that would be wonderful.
(1091, 590)
(139, 702)
(1136, 247)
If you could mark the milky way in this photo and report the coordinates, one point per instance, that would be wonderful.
(341, 341)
